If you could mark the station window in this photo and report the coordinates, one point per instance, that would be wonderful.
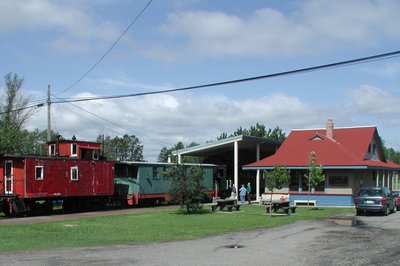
(39, 173)
(339, 181)
(74, 173)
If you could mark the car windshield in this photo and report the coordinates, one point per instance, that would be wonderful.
(370, 192)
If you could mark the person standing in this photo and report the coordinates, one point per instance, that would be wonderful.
(242, 193)
(233, 191)
(248, 192)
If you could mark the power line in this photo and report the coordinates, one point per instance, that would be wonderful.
(23, 108)
(108, 51)
(118, 126)
(278, 74)
(274, 75)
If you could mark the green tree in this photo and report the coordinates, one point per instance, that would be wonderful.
(276, 179)
(125, 148)
(276, 134)
(390, 153)
(13, 114)
(35, 142)
(315, 174)
(223, 135)
(165, 153)
(107, 147)
(259, 130)
(187, 187)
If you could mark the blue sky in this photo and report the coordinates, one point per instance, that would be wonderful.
(183, 43)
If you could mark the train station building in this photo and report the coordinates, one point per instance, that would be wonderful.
(231, 154)
(351, 158)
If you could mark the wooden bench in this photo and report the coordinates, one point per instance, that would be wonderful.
(227, 205)
(290, 208)
(213, 206)
(230, 207)
(265, 198)
(269, 206)
(305, 202)
(275, 207)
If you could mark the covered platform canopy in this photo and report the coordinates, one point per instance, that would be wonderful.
(234, 152)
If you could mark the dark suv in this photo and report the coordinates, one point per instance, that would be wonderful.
(375, 199)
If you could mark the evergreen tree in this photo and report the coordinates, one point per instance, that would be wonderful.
(125, 148)
(165, 153)
(35, 142)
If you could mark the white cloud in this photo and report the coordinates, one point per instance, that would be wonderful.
(318, 26)
(375, 106)
(163, 120)
(69, 24)
(389, 70)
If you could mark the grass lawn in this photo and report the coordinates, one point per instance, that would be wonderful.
(161, 226)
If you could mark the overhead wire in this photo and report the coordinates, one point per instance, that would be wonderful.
(80, 115)
(274, 75)
(108, 51)
(136, 132)
(278, 74)
(291, 72)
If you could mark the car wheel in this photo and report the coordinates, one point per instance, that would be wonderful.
(358, 212)
(386, 211)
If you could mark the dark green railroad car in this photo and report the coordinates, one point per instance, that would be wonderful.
(138, 183)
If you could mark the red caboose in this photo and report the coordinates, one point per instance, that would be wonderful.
(72, 172)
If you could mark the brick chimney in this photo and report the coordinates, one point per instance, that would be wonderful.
(329, 128)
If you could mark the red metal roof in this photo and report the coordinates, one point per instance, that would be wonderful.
(347, 149)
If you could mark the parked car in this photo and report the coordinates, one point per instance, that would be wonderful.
(375, 199)
(397, 199)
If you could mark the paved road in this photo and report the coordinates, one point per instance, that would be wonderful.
(373, 241)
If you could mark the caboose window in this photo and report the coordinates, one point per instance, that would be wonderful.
(52, 150)
(95, 155)
(39, 172)
(74, 173)
(73, 149)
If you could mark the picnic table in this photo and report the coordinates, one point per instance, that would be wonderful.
(280, 205)
(228, 204)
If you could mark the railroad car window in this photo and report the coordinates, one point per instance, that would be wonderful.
(73, 149)
(52, 150)
(74, 173)
(165, 176)
(96, 154)
(156, 173)
(39, 172)
(133, 172)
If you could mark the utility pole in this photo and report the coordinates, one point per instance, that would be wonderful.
(48, 115)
